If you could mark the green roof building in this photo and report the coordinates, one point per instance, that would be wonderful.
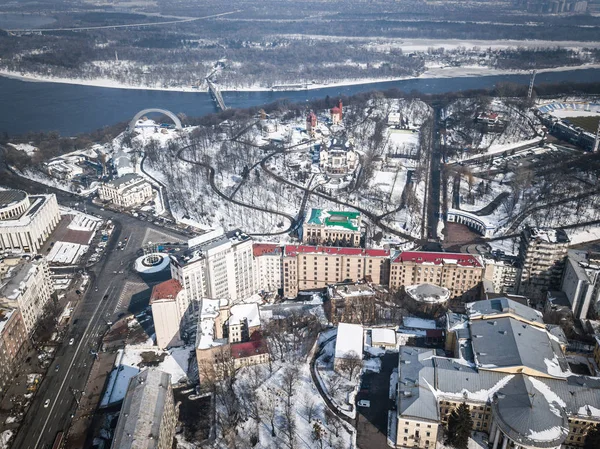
(332, 228)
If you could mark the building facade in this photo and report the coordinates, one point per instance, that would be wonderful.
(26, 284)
(542, 255)
(26, 221)
(148, 416)
(332, 228)
(316, 267)
(514, 379)
(581, 283)
(338, 159)
(268, 266)
(216, 265)
(14, 344)
(127, 191)
(168, 304)
(504, 273)
(460, 273)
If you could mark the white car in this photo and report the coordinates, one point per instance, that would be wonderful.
(364, 403)
(71, 341)
(47, 403)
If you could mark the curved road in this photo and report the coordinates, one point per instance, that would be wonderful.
(213, 186)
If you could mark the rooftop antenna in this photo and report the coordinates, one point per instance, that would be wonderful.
(531, 83)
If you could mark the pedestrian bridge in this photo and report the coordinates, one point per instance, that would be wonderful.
(169, 114)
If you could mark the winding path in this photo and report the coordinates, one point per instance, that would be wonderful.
(211, 180)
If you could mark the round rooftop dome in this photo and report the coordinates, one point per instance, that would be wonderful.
(530, 414)
(428, 293)
(13, 204)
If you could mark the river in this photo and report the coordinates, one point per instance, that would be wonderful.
(71, 109)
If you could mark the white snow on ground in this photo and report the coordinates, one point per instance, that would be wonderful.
(418, 323)
(27, 148)
(66, 253)
(583, 235)
(306, 393)
(128, 363)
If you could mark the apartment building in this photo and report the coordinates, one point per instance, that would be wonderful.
(25, 284)
(168, 302)
(513, 377)
(332, 228)
(504, 273)
(148, 416)
(127, 191)
(581, 282)
(542, 255)
(14, 344)
(315, 267)
(268, 266)
(26, 221)
(460, 273)
(228, 338)
(216, 265)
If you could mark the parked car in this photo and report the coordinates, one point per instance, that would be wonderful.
(47, 403)
(364, 403)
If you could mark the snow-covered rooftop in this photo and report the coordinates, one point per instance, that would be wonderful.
(245, 312)
(349, 340)
(383, 336)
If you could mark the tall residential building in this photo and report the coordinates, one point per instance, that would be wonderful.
(542, 255)
(168, 304)
(331, 228)
(26, 221)
(504, 273)
(127, 191)
(14, 343)
(581, 282)
(460, 273)
(316, 267)
(26, 284)
(216, 265)
(511, 373)
(268, 266)
(148, 416)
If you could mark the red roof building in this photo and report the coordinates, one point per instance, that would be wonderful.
(166, 290)
(424, 257)
(294, 250)
(249, 349)
(266, 249)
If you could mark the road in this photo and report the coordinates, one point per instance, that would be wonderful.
(88, 323)
(433, 192)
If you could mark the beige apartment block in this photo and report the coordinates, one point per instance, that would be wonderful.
(316, 267)
(127, 191)
(168, 309)
(26, 221)
(460, 273)
(216, 265)
(25, 283)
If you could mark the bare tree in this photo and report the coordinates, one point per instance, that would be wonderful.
(351, 363)
(310, 407)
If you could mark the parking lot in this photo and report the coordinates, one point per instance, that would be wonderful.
(371, 422)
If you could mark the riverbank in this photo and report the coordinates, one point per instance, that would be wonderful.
(430, 73)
